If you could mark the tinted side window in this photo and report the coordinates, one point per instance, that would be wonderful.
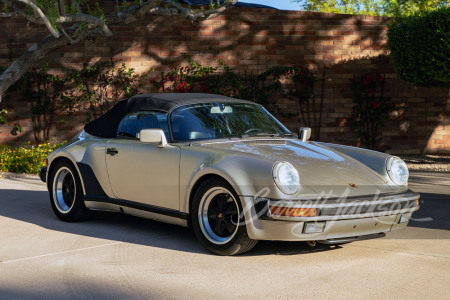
(132, 124)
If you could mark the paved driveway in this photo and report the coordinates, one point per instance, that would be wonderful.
(117, 256)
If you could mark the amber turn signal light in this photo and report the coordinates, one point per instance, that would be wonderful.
(293, 211)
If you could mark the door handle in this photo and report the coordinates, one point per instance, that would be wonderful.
(111, 151)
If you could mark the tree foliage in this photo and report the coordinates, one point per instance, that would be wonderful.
(71, 21)
(403, 8)
(420, 48)
(365, 7)
(390, 8)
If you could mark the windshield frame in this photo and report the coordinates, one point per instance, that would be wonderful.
(286, 132)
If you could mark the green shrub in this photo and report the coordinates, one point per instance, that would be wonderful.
(3, 113)
(27, 159)
(420, 48)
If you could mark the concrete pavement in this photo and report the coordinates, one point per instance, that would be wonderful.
(116, 256)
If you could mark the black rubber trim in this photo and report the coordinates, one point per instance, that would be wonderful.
(352, 239)
(364, 209)
(262, 208)
(43, 174)
(407, 193)
(145, 207)
(91, 184)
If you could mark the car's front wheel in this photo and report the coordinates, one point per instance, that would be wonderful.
(66, 193)
(217, 219)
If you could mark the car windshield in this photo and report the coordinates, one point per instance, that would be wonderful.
(223, 120)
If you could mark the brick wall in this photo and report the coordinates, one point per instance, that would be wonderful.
(250, 40)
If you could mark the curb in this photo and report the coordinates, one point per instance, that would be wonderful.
(9, 175)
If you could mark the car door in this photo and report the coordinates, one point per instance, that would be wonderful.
(143, 172)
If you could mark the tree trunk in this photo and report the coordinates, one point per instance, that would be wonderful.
(33, 54)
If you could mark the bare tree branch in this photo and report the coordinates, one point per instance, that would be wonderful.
(76, 5)
(132, 13)
(21, 12)
(80, 17)
(66, 34)
(35, 53)
(62, 7)
(37, 10)
(7, 15)
(94, 26)
(178, 10)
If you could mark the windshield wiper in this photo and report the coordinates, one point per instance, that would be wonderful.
(256, 134)
(267, 133)
(287, 134)
(230, 136)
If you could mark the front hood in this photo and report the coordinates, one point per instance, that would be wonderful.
(322, 169)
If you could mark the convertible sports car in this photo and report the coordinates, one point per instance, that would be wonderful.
(228, 169)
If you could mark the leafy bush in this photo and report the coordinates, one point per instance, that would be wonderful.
(3, 113)
(27, 159)
(41, 90)
(420, 48)
(370, 109)
(259, 88)
(195, 77)
(95, 89)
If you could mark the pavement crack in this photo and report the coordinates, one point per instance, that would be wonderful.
(58, 253)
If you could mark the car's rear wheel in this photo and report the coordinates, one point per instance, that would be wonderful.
(217, 219)
(66, 193)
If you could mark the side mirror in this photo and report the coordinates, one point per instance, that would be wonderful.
(304, 133)
(153, 136)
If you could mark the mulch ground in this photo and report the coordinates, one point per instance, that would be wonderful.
(436, 163)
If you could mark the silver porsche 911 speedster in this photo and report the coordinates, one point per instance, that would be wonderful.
(228, 169)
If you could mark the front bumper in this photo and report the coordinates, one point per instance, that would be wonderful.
(43, 174)
(339, 218)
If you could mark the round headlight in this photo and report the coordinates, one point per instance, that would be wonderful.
(397, 170)
(286, 177)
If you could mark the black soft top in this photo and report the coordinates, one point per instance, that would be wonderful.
(106, 125)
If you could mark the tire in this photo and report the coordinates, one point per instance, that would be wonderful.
(217, 221)
(66, 193)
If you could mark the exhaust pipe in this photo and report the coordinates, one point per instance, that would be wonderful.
(311, 243)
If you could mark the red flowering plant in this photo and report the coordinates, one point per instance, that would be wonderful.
(370, 109)
(177, 80)
(195, 77)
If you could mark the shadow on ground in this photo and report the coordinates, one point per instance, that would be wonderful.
(34, 207)
(434, 212)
